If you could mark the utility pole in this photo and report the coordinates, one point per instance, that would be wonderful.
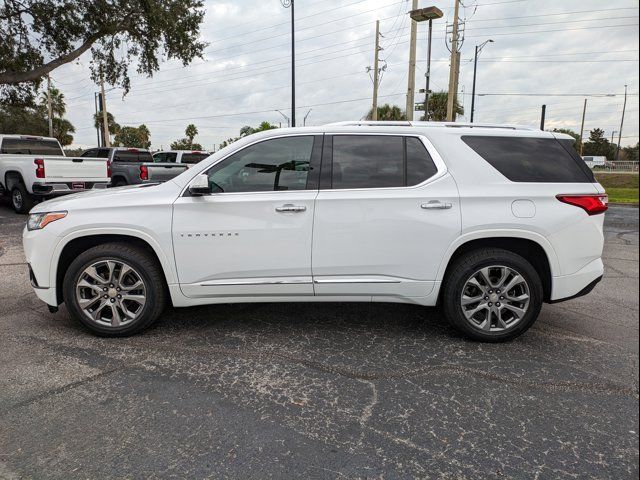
(411, 85)
(49, 108)
(376, 77)
(624, 108)
(105, 123)
(290, 4)
(542, 116)
(455, 66)
(95, 104)
(613, 132)
(584, 113)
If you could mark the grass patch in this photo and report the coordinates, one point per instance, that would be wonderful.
(617, 180)
(622, 195)
(621, 187)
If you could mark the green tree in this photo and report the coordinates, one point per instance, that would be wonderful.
(576, 136)
(247, 130)
(631, 153)
(114, 128)
(598, 145)
(187, 143)
(388, 113)
(33, 120)
(438, 107)
(40, 35)
(136, 137)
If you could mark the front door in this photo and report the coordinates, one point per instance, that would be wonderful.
(253, 236)
(386, 213)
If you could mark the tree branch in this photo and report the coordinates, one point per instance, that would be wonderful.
(14, 78)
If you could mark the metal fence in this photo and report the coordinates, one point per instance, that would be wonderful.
(616, 167)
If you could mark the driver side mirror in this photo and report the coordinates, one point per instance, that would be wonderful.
(200, 185)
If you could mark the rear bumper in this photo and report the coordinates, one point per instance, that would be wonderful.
(566, 287)
(55, 189)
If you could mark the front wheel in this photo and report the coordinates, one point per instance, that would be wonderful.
(114, 290)
(492, 295)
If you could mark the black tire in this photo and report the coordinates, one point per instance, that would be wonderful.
(21, 200)
(119, 182)
(139, 259)
(461, 271)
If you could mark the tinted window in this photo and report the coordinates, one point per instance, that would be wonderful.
(132, 156)
(27, 146)
(278, 164)
(159, 157)
(103, 153)
(193, 157)
(90, 153)
(420, 165)
(367, 161)
(522, 159)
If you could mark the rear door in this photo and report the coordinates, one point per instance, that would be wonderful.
(253, 237)
(385, 215)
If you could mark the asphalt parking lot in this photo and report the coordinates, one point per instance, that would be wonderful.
(322, 390)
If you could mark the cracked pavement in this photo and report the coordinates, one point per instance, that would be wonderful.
(322, 390)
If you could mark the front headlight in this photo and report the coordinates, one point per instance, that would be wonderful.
(38, 221)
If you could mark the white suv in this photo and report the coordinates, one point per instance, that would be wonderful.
(487, 221)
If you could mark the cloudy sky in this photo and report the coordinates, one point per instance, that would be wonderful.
(544, 52)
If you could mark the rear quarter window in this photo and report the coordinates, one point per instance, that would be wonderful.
(526, 159)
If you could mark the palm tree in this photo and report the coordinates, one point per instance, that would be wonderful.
(191, 132)
(438, 107)
(388, 113)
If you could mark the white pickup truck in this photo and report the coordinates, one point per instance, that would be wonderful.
(186, 157)
(35, 168)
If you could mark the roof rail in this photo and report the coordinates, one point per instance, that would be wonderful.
(372, 123)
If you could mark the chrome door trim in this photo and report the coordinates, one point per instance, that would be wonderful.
(338, 280)
(258, 281)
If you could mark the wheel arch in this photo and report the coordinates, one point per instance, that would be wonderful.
(11, 178)
(73, 245)
(533, 247)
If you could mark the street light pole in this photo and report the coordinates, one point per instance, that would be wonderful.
(290, 4)
(475, 69)
(624, 108)
(420, 15)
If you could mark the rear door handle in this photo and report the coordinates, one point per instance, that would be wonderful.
(291, 208)
(436, 205)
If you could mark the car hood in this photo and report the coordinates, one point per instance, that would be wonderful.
(130, 195)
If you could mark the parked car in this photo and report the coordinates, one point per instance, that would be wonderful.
(593, 162)
(132, 166)
(35, 168)
(187, 157)
(487, 222)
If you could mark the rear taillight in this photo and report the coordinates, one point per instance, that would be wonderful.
(592, 204)
(108, 169)
(144, 172)
(39, 162)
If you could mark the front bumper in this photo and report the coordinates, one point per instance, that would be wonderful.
(580, 283)
(55, 189)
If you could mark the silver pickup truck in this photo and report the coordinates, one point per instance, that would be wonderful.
(132, 166)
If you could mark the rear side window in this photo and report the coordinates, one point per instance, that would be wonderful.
(132, 156)
(523, 159)
(192, 158)
(377, 161)
(28, 146)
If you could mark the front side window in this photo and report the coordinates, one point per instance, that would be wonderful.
(379, 161)
(159, 157)
(273, 165)
(90, 153)
(132, 155)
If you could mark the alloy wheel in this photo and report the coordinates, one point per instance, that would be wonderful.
(111, 293)
(495, 298)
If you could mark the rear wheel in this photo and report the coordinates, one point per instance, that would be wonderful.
(492, 295)
(119, 182)
(114, 290)
(21, 200)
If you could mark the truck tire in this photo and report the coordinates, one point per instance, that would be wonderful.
(21, 200)
(119, 182)
(492, 295)
(115, 290)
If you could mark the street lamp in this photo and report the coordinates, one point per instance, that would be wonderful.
(475, 67)
(421, 15)
(290, 4)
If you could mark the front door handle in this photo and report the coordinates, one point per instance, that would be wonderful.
(291, 208)
(436, 205)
